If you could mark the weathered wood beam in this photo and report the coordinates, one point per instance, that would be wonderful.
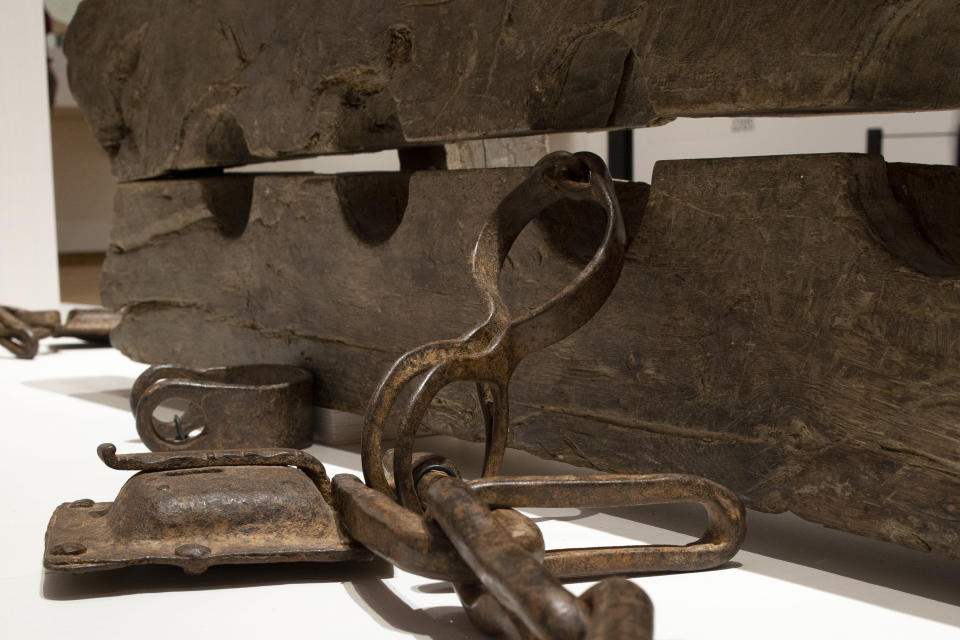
(182, 85)
(788, 326)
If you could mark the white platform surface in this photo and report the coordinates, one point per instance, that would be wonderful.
(791, 580)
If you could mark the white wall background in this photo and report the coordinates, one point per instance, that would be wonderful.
(375, 161)
(84, 184)
(726, 137)
(28, 240)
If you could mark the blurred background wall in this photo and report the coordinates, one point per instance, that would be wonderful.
(28, 248)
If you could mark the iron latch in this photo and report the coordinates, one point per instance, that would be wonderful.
(202, 508)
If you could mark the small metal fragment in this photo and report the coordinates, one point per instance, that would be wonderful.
(227, 407)
(22, 330)
(192, 551)
(68, 549)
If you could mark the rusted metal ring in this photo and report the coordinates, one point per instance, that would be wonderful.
(441, 468)
(241, 406)
(488, 354)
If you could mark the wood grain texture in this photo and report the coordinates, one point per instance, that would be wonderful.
(769, 331)
(182, 85)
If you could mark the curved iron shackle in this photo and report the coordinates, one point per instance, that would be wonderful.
(489, 353)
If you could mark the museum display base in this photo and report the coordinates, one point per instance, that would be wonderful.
(793, 579)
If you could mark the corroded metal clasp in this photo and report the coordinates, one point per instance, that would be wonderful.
(201, 508)
(226, 407)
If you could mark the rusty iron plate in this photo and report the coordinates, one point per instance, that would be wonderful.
(201, 515)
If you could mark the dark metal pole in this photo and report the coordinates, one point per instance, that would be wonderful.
(958, 146)
(875, 141)
(620, 153)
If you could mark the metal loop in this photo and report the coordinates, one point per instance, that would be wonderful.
(227, 407)
(157, 434)
(726, 519)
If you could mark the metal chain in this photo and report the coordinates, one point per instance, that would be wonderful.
(469, 534)
(495, 556)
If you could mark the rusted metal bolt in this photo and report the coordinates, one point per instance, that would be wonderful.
(68, 549)
(192, 550)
